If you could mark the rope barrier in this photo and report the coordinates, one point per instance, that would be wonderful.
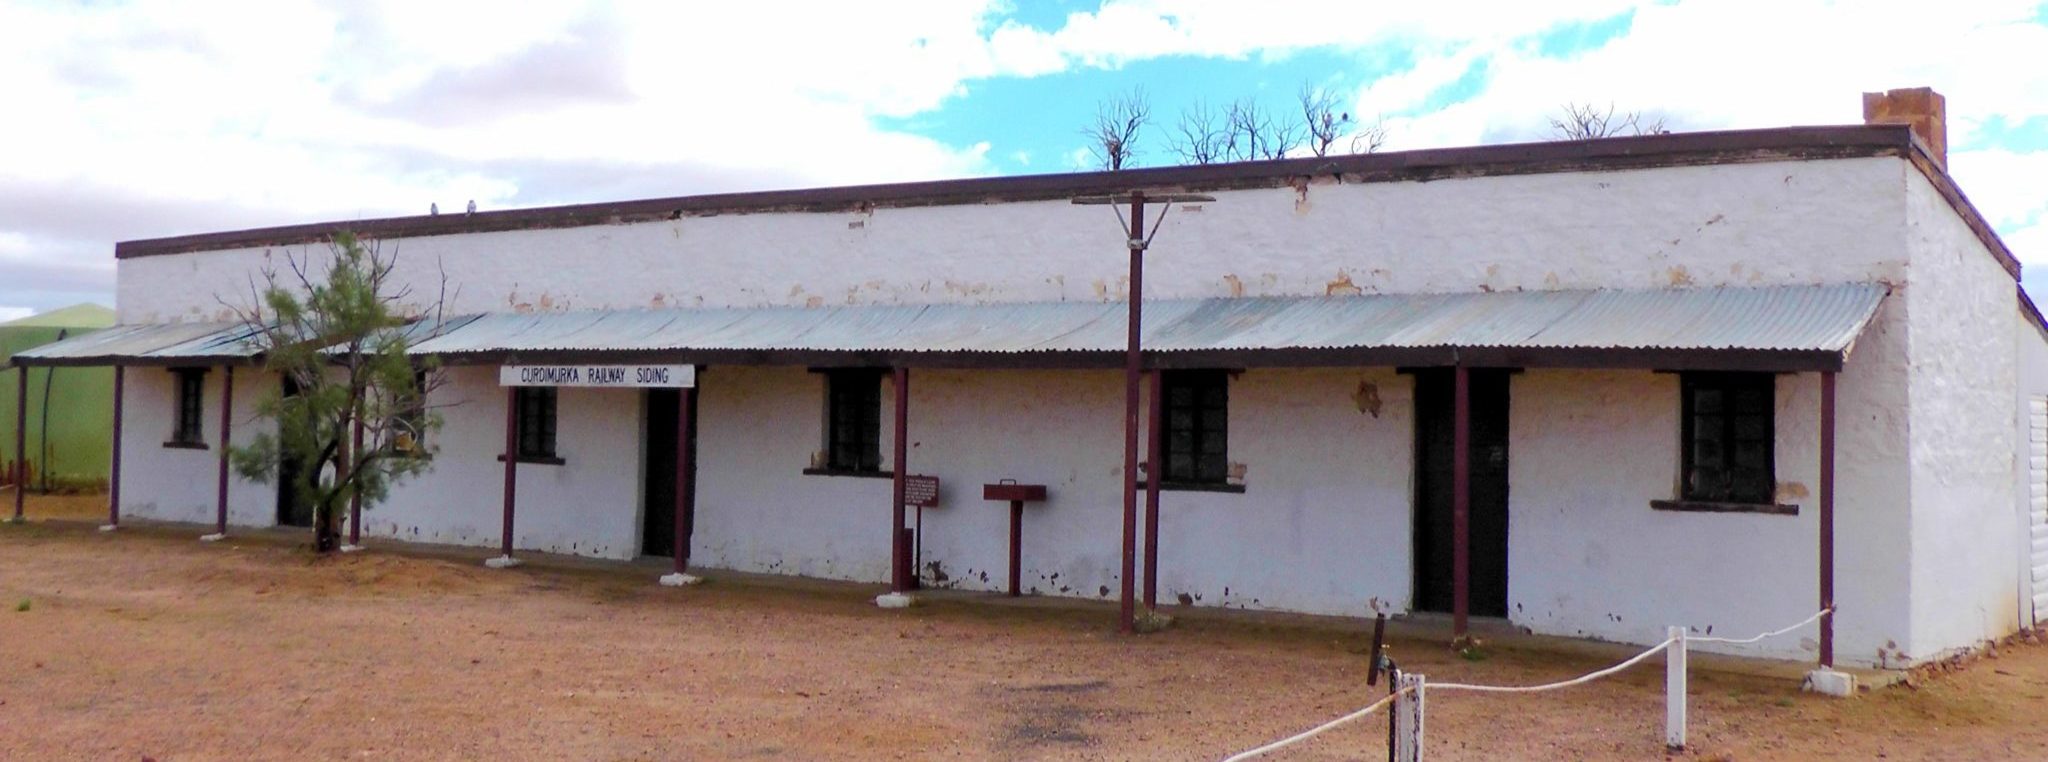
(1678, 634)
(1315, 731)
(1772, 634)
(1581, 680)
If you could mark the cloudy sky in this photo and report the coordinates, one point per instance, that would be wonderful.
(131, 120)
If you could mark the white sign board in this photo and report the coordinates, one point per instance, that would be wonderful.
(617, 376)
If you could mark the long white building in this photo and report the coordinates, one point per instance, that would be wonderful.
(1682, 358)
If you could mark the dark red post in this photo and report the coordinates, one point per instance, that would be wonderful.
(1461, 500)
(899, 540)
(685, 485)
(227, 412)
(1827, 518)
(1016, 545)
(20, 441)
(511, 461)
(1126, 613)
(355, 499)
(1155, 434)
(114, 475)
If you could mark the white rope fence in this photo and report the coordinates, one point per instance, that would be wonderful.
(1772, 634)
(1317, 730)
(1415, 688)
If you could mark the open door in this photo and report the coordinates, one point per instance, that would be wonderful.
(1435, 396)
(293, 509)
(658, 491)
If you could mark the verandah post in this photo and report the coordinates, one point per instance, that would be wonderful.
(1827, 519)
(686, 487)
(114, 472)
(511, 488)
(227, 411)
(899, 541)
(355, 497)
(1154, 466)
(20, 440)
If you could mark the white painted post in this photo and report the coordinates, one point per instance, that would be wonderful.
(1674, 690)
(1408, 716)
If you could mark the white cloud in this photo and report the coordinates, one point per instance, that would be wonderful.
(14, 313)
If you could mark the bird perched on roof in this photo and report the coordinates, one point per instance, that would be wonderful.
(472, 206)
(433, 209)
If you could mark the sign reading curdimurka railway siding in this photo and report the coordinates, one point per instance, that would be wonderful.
(620, 376)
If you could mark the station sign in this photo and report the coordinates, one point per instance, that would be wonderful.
(601, 376)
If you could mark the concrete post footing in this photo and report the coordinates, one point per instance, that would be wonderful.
(215, 537)
(895, 600)
(501, 562)
(679, 579)
(1828, 682)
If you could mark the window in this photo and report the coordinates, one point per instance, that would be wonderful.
(853, 420)
(1197, 426)
(191, 385)
(1729, 437)
(537, 423)
(408, 425)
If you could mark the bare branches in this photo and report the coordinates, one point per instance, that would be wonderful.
(1200, 137)
(1587, 122)
(1251, 133)
(1321, 120)
(1113, 140)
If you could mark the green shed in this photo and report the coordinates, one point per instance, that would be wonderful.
(70, 410)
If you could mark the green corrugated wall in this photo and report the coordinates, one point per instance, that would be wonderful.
(70, 413)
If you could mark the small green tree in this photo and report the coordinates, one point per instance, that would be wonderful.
(338, 344)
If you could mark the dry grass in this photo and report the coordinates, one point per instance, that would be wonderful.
(144, 642)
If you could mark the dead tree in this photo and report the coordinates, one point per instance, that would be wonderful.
(1587, 122)
(1113, 140)
(1250, 132)
(1201, 136)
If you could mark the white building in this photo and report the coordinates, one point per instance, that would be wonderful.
(1651, 329)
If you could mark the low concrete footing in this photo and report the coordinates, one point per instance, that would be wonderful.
(679, 579)
(501, 562)
(1828, 682)
(109, 527)
(350, 548)
(215, 537)
(895, 600)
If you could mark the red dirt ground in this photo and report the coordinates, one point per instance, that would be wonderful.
(144, 643)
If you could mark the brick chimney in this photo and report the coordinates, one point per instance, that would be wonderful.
(1921, 107)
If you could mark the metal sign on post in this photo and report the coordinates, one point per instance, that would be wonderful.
(921, 491)
(601, 376)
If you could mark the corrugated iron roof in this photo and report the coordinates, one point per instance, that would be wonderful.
(1813, 326)
(1781, 318)
(167, 343)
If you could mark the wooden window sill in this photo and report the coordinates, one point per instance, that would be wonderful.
(538, 460)
(1703, 506)
(854, 472)
(175, 445)
(1225, 487)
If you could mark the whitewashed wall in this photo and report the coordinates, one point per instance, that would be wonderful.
(180, 484)
(1315, 531)
(2030, 463)
(1962, 383)
(1782, 222)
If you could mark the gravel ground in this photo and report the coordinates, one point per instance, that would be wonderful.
(146, 644)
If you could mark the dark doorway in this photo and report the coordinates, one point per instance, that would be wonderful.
(658, 534)
(1435, 395)
(293, 509)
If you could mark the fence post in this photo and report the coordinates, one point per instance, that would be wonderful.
(1674, 690)
(1408, 718)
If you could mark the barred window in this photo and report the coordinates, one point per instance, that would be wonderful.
(536, 422)
(853, 419)
(191, 385)
(1730, 437)
(1197, 404)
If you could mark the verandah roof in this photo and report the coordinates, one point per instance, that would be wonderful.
(1777, 328)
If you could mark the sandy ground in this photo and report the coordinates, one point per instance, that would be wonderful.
(147, 644)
